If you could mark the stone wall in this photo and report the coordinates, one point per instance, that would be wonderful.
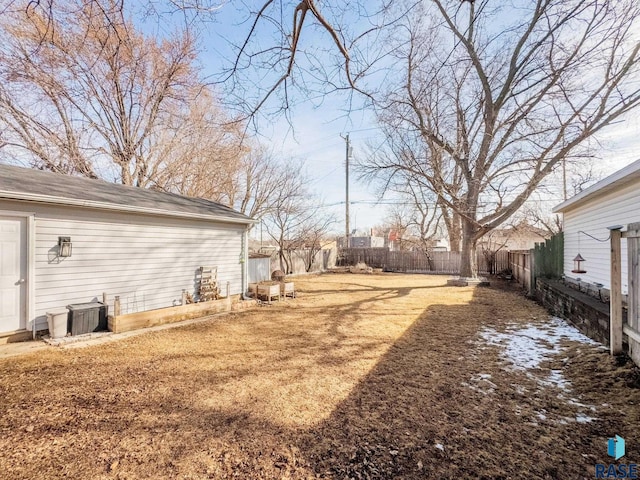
(588, 314)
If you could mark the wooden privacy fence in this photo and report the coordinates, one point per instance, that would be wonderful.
(632, 327)
(418, 262)
(548, 257)
(323, 260)
(261, 268)
(520, 265)
(545, 260)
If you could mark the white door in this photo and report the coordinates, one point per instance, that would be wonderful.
(13, 271)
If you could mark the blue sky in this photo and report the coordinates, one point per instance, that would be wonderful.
(311, 132)
(314, 132)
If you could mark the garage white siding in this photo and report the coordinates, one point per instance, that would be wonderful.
(620, 206)
(146, 260)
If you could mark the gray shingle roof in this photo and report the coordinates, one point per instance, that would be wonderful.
(46, 187)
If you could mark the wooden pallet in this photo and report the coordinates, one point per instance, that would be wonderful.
(209, 288)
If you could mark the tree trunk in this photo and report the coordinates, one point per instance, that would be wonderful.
(311, 257)
(468, 259)
(289, 261)
(427, 254)
(455, 233)
(453, 226)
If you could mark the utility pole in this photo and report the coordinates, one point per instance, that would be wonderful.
(564, 178)
(347, 236)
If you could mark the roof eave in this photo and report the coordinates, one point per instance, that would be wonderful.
(71, 202)
(625, 175)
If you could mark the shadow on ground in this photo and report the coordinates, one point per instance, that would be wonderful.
(208, 413)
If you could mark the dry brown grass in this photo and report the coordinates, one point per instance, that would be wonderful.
(360, 377)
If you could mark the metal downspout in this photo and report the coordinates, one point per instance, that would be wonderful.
(245, 263)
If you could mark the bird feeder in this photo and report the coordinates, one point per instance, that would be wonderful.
(577, 267)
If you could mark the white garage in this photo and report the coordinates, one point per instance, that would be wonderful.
(615, 200)
(66, 240)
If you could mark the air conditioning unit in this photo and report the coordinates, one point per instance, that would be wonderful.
(87, 317)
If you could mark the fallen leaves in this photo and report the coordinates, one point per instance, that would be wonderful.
(362, 376)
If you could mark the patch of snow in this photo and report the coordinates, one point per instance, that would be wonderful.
(573, 401)
(582, 418)
(476, 388)
(520, 390)
(481, 383)
(526, 347)
(579, 418)
(556, 379)
(439, 446)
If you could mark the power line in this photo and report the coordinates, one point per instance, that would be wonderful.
(406, 202)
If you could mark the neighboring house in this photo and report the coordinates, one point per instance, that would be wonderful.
(362, 242)
(144, 246)
(264, 247)
(612, 201)
(441, 245)
(395, 241)
(414, 244)
(521, 236)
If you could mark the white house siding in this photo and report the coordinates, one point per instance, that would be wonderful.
(617, 207)
(146, 260)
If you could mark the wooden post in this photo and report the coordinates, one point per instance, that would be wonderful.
(615, 311)
(532, 271)
(633, 253)
(633, 296)
(116, 306)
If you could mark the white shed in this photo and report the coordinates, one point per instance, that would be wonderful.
(144, 246)
(612, 201)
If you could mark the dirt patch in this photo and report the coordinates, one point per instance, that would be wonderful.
(362, 376)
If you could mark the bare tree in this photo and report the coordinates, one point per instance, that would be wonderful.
(81, 91)
(242, 175)
(504, 108)
(317, 48)
(490, 246)
(295, 220)
(195, 155)
(425, 219)
(260, 181)
(540, 217)
(574, 175)
(499, 95)
(395, 226)
(314, 236)
(288, 215)
(410, 185)
(415, 221)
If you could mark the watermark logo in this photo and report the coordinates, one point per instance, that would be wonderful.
(615, 447)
